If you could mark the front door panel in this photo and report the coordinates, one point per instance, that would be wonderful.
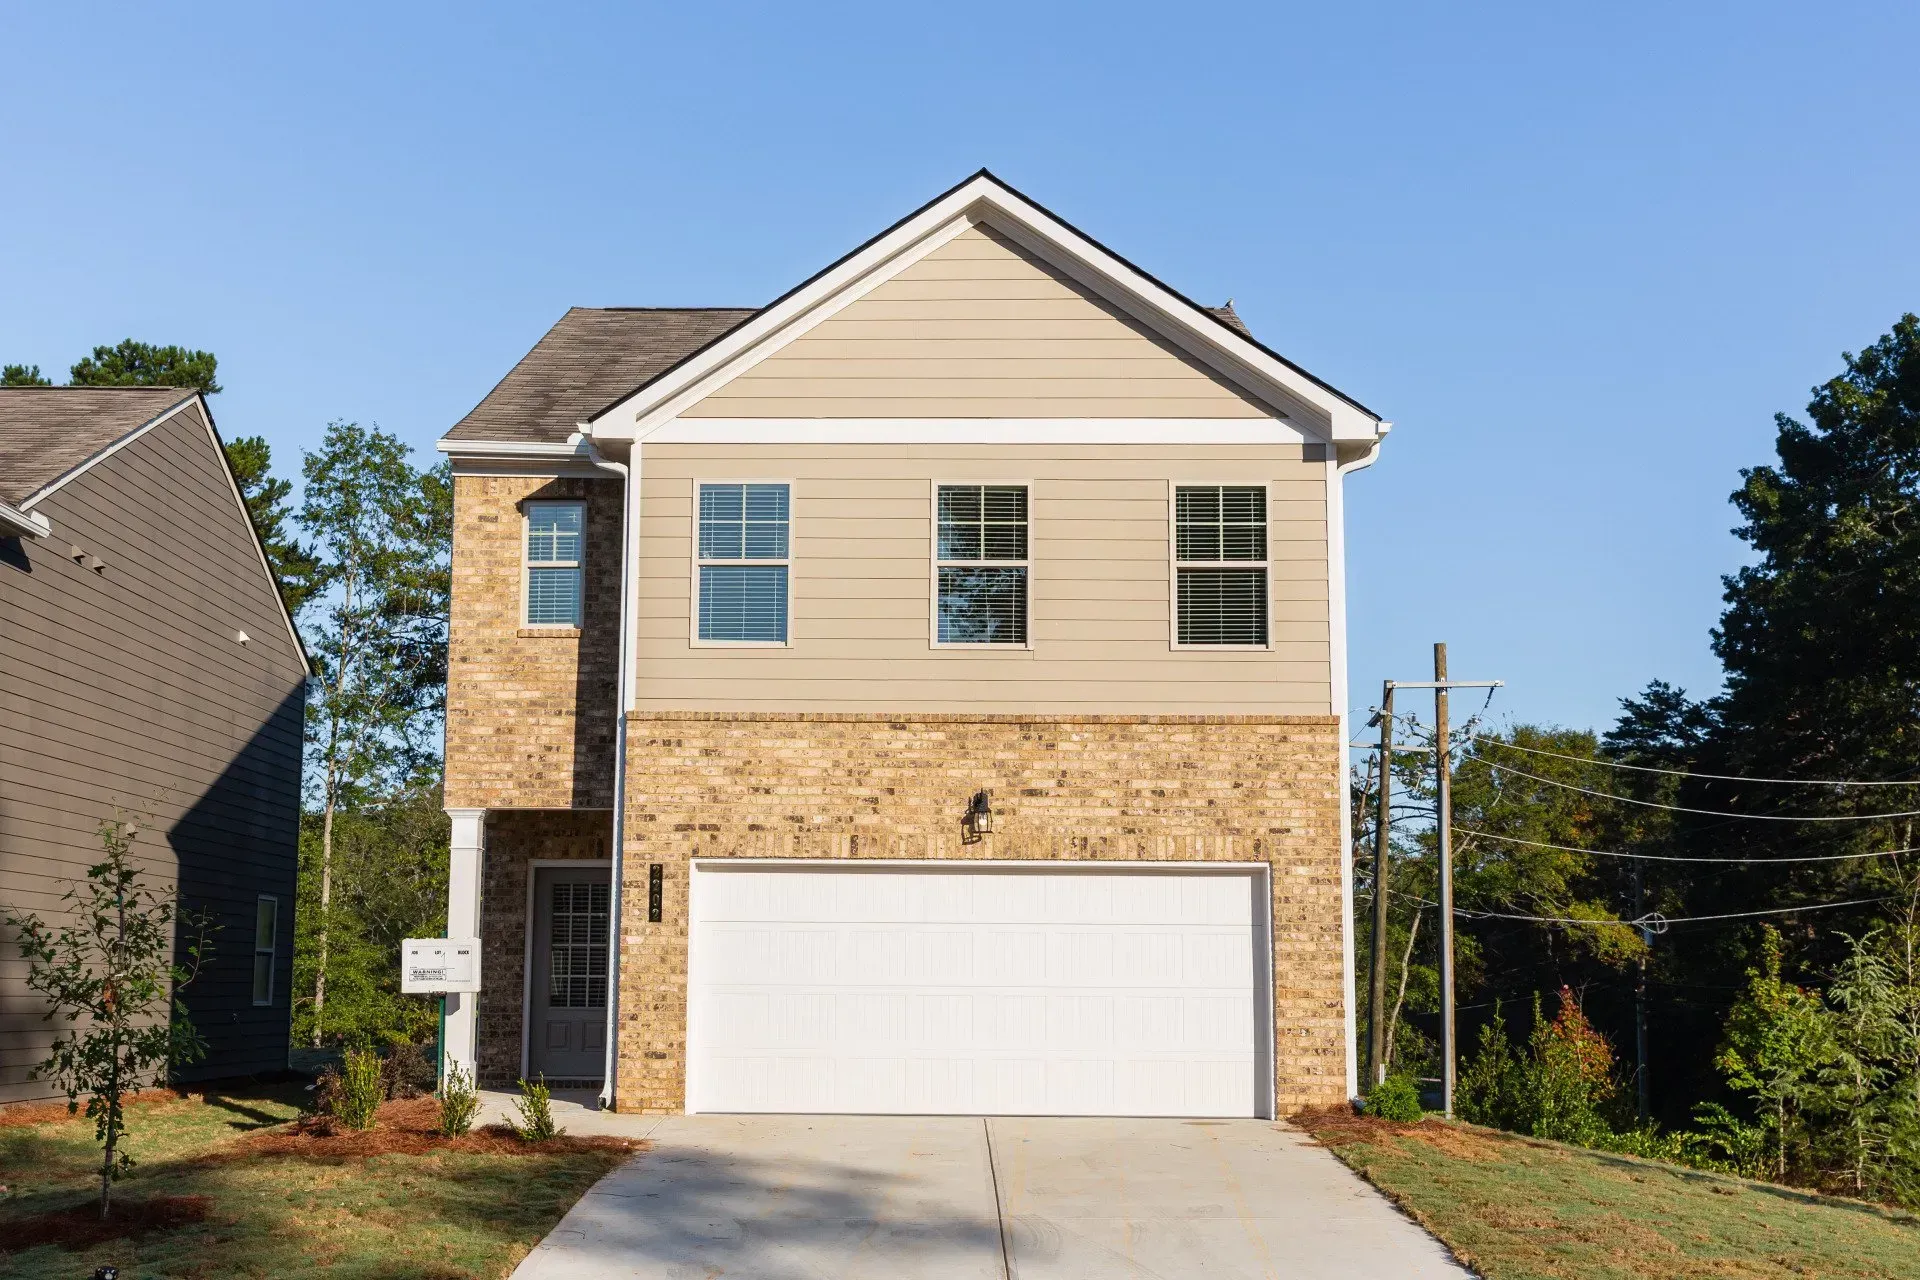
(567, 1014)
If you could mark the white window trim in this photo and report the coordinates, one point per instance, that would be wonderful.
(528, 564)
(935, 564)
(271, 951)
(696, 561)
(1175, 565)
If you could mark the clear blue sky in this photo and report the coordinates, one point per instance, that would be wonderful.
(1580, 258)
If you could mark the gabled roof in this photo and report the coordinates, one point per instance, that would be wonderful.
(1204, 333)
(590, 356)
(50, 436)
(48, 432)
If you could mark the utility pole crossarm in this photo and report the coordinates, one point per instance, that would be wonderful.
(1446, 684)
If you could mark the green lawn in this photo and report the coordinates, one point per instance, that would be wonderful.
(1522, 1209)
(276, 1204)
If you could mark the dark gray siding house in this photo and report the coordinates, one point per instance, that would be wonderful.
(147, 668)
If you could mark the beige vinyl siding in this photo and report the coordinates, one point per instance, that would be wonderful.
(1099, 591)
(978, 329)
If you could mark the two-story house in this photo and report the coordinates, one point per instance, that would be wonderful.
(921, 694)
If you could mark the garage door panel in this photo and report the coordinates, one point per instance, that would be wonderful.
(964, 990)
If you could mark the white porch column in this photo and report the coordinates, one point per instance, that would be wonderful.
(463, 921)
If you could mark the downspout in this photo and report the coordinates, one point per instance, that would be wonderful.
(629, 529)
(1337, 546)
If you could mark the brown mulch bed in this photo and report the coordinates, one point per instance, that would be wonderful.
(405, 1127)
(55, 1110)
(1341, 1126)
(79, 1226)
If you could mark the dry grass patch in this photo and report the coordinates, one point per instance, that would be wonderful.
(1518, 1208)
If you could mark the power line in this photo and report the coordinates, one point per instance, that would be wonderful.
(1688, 773)
(1711, 813)
(1657, 920)
(1658, 857)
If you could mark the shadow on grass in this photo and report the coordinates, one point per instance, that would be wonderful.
(251, 1117)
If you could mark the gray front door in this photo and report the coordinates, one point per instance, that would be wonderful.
(567, 1016)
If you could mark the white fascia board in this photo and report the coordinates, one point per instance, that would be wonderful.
(980, 199)
(995, 431)
(47, 491)
(511, 448)
(15, 523)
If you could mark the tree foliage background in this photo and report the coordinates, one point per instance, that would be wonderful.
(1787, 1045)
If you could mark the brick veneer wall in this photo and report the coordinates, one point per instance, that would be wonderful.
(529, 711)
(828, 785)
(513, 841)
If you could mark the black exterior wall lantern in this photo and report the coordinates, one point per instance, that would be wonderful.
(978, 820)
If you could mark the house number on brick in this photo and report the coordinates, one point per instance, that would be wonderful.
(655, 874)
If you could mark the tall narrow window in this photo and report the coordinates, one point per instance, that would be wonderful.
(743, 563)
(1220, 564)
(554, 535)
(981, 563)
(578, 949)
(266, 937)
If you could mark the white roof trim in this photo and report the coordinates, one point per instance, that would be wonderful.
(511, 448)
(46, 491)
(23, 524)
(1004, 431)
(983, 198)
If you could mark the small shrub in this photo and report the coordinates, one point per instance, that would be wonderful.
(361, 1090)
(459, 1101)
(408, 1070)
(536, 1112)
(1396, 1098)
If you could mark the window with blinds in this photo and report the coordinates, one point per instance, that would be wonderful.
(1220, 565)
(555, 531)
(980, 564)
(743, 542)
(577, 947)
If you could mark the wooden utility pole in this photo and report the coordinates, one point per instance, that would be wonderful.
(1383, 827)
(1642, 1092)
(1443, 803)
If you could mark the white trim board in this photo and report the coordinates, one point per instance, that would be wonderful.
(984, 199)
(994, 431)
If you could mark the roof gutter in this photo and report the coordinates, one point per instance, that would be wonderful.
(580, 445)
(16, 523)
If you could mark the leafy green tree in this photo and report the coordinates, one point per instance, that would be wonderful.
(1779, 1041)
(143, 364)
(266, 495)
(381, 532)
(113, 966)
(22, 375)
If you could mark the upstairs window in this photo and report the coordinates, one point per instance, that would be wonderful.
(266, 937)
(554, 535)
(1220, 565)
(980, 564)
(743, 563)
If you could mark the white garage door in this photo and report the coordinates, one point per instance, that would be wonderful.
(995, 990)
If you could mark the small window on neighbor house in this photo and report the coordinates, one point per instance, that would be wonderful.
(1220, 564)
(981, 564)
(554, 536)
(743, 563)
(266, 932)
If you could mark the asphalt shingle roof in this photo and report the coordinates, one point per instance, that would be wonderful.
(46, 432)
(590, 358)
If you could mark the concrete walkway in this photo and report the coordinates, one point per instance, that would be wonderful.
(898, 1198)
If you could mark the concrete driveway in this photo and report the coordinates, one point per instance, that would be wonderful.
(886, 1198)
